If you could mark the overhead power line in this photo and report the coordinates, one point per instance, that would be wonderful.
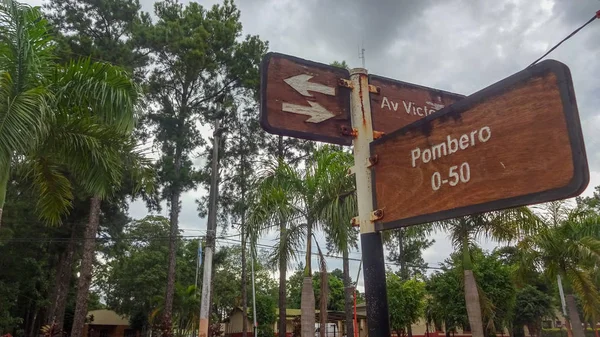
(325, 255)
(596, 16)
(224, 239)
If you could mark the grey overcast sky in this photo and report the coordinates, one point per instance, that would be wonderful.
(460, 46)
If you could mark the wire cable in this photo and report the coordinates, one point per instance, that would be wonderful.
(596, 16)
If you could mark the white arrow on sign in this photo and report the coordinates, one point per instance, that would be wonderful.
(301, 84)
(316, 111)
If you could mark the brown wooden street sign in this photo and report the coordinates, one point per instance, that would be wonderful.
(398, 104)
(302, 99)
(305, 99)
(514, 143)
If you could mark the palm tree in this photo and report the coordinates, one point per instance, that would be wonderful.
(186, 302)
(502, 226)
(25, 66)
(336, 217)
(70, 124)
(270, 208)
(57, 115)
(298, 197)
(568, 248)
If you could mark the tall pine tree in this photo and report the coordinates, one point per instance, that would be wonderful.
(197, 56)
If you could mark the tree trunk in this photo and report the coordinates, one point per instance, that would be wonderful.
(4, 175)
(533, 331)
(85, 272)
(323, 303)
(58, 301)
(471, 293)
(473, 305)
(348, 289)
(174, 230)
(243, 226)
(32, 331)
(403, 274)
(574, 316)
(170, 291)
(403, 271)
(244, 288)
(27, 322)
(282, 325)
(568, 326)
(308, 311)
(282, 287)
(308, 308)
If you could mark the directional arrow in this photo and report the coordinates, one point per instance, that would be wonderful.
(316, 111)
(301, 84)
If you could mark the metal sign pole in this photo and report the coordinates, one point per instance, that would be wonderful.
(371, 244)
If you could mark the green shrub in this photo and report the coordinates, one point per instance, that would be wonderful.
(556, 332)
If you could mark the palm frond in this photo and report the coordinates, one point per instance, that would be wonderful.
(584, 286)
(589, 249)
(25, 58)
(54, 190)
(139, 167)
(26, 47)
(289, 243)
(22, 116)
(98, 88)
(90, 150)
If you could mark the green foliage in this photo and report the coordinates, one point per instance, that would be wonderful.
(337, 273)
(294, 288)
(447, 303)
(265, 312)
(531, 306)
(27, 259)
(338, 64)
(563, 333)
(406, 300)
(336, 293)
(335, 298)
(266, 331)
(496, 291)
(406, 246)
(82, 112)
(137, 271)
(568, 245)
(25, 67)
(110, 31)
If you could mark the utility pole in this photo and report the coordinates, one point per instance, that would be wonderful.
(355, 322)
(253, 292)
(198, 261)
(198, 258)
(211, 228)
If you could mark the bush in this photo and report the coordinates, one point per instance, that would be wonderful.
(265, 331)
(556, 332)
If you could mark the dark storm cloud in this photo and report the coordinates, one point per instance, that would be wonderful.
(576, 12)
(456, 45)
(377, 23)
(459, 45)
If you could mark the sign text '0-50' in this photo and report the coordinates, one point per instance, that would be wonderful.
(514, 143)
